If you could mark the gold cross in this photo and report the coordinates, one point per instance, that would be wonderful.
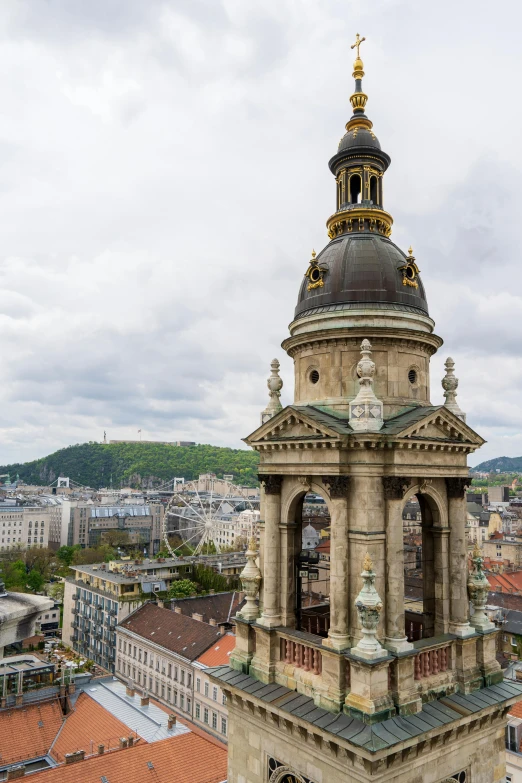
(358, 42)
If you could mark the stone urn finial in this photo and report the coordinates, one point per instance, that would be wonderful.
(250, 580)
(275, 384)
(366, 410)
(478, 589)
(369, 607)
(450, 385)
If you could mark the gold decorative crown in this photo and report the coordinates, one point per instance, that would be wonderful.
(367, 562)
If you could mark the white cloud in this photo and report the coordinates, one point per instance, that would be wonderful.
(163, 178)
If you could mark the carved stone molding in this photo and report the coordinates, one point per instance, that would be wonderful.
(271, 483)
(338, 486)
(456, 487)
(395, 487)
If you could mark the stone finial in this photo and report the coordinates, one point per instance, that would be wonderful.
(369, 607)
(478, 589)
(366, 409)
(450, 384)
(275, 384)
(250, 580)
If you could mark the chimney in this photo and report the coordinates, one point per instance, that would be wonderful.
(72, 758)
(196, 616)
(212, 622)
(171, 721)
(130, 741)
(222, 630)
(144, 699)
(16, 772)
(101, 749)
(123, 742)
(129, 689)
(177, 609)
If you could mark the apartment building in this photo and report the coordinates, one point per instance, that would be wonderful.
(163, 653)
(97, 597)
(23, 527)
(89, 524)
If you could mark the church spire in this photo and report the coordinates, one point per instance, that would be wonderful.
(359, 98)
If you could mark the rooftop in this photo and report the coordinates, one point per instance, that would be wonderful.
(184, 759)
(176, 632)
(219, 654)
(28, 732)
(220, 607)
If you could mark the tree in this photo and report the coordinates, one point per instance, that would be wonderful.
(35, 580)
(65, 554)
(99, 554)
(183, 588)
(55, 590)
(116, 537)
(14, 575)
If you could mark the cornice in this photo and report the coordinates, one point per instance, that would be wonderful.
(350, 337)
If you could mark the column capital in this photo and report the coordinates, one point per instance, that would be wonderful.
(338, 486)
(271, 482)
(456, 487)
(395, 487)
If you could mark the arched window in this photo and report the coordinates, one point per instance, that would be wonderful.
(355, 189)
(373, 190)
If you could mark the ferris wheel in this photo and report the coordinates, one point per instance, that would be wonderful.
(205, 521)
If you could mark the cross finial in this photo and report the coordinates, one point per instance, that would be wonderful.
(358, 42)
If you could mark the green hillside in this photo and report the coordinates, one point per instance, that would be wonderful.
(141, 465)
(504, 464)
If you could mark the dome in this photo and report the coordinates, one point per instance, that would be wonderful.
(359, 137)
(362, 271)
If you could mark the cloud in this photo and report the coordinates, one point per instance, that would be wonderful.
(163, 179)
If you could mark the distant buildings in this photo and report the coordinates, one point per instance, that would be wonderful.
(23, 527)
(97, 597)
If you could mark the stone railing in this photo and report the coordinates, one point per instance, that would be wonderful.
(434, 664)
(302, 656)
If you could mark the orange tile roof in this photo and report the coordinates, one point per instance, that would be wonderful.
(186, 758)
(28, 732)
(516, 710)
(219, 654)
(87, 726)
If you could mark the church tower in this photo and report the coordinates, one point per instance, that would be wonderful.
(347, 690)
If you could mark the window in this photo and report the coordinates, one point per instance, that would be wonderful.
(157, 664)
(198, 711)
(162, 691)
(189, 703)
(182, 675)
(157, 687)
(139, 655)
(224, 699)
(205, 715)
(170, 670)
(150, 683)
(175, 672)
(169, 693)
(198, 684)
(513, 641)
(175, 697)
(224, 726)
(125, 648)
(182, 701)
(314, 376)
(151, 660)
(214, 693)
(206, 689)
(134, 653)
(145, 657)
(189, 679)
(214, 720)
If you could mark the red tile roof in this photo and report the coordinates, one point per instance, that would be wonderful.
(506, 583)
(324, 547)
(180, 634)
(186, 758)
(516, 710)
(88, 726)
(219, 654)
(28, 732)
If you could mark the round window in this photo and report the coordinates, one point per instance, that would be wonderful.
(314, 376)
(315, 275)
(412, 377)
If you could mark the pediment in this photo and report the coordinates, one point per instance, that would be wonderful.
(439, 424)
(293, 424)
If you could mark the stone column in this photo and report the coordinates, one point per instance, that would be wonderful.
(458, 560)
(395, 639)
(289, 537)
(441, 573)
(271, 616)
(339, 634)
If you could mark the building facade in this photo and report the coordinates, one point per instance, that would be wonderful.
(98, 597)
(166, 655)
(363, 702)
(141, 525)
(24, 527)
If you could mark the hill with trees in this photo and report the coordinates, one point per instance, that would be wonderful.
(504, 464)
(139, 465)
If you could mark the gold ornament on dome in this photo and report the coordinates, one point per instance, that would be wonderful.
(315, 273)
(367, 562)
(410, 270)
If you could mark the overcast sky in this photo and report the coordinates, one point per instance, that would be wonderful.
(163, 179)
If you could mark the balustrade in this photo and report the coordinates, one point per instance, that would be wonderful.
(432, 662)
(301, 656)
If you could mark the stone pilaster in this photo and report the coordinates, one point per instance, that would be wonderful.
(459, 603)
(339, 634)
(369, 699)
(243, 652)
(271, 616)
(396, 639)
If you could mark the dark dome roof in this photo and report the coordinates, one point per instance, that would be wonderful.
(362, 272)
(359, 137)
